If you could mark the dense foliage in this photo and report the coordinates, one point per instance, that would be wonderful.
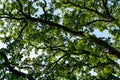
(55, 40)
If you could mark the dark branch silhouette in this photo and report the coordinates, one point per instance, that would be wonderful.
(112, 50)
(14, 71)
(106, 17)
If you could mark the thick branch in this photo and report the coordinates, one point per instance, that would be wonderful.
(80, 33)
(112, 50)
(14, 71)
(77, 33)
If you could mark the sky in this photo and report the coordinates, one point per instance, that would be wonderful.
(96, 32)
(102, 34)
(2, 45)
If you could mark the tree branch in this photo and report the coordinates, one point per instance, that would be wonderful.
(80, 33)
(112, 50)
(45, 12)
(21, 9)
(22, 29)
(91, 22)
(14, 71)
(56, 62)
(105, 16)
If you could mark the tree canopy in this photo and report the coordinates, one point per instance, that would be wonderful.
(55, 39)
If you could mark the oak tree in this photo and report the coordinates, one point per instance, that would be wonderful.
(56, 39)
